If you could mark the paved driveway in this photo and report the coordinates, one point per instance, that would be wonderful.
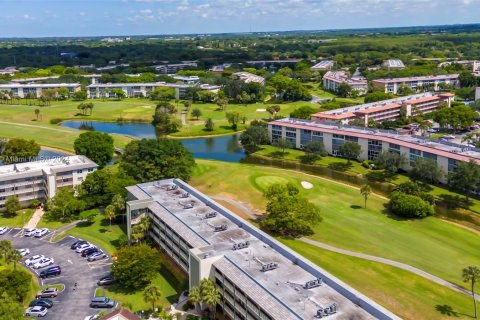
(73, 302)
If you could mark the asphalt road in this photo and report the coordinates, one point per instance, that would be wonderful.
(73, 302)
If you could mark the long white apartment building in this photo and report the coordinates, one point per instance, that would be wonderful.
(387, 110)
(373, 142)
(103, 90)
(40, 179)
(19, 90)
(416, 83)
(333, 79)
(258, 277)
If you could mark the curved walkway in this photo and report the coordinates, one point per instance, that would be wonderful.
(393, 263)
(35, 126)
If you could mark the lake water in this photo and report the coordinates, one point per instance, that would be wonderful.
(224, 148)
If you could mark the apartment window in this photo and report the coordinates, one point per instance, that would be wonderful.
(14, 188)
(336, 143)
(431, 156)
(305, 136)
(317, 136)
(452, 164)
(392, 147)
(352, 139)
(292, 136)
(2, 198)
(414, 154)
(90, 170)
(79, 171)
(2, 190)
(374, 149)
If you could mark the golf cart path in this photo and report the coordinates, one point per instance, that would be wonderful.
(34, 126)
(393, 263)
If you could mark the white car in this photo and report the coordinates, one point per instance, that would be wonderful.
(41, 232)
(30, 232)
(42, 263)
(3, 230)
(83, 247)
(24, 252)
(94, 317)
(449, 136)
(33, 259)
(36, 311)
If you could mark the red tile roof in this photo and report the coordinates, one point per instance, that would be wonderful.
(379, 108)
(123, 314)
(334, 116)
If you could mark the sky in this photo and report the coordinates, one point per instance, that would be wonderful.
(63, 18)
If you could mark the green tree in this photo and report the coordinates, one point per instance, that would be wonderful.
(13, 256)
(63, 93)
(5, 248)
(377, 96)
(465, 178)
(304, 112)
(64, 206)
(156, 159)
(365, 191)
(152, 294)
(472, 274)
(209, 124)
(273, 110)
(195, 297)
(221, 103)
(15, 283)
(350, 150)
(37, 113)
(210, 295)
(79, 95)
(118, 93)
(409, 206)
(253, 137)
(139, 231)
(20, 150)
(344, 90)
(96, 146)
(12, 205)
(426, 170)
(288, 214)
(165, 122)
(136, 266)
(282, 144)
(162, 93)
(390, 162)
(197, 113)
(118, 203)
(467, 79)
(233, 118)
(110, 213)
(9, 308)
(313, 151)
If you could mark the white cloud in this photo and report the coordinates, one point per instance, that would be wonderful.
(82, 13)
(28, 17)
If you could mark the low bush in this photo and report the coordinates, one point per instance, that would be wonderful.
(409, 206)
(55, 120)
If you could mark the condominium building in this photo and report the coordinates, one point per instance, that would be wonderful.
(19, 90)
(387, 110)
(174, 67)
(40, 179)
(392, 64)
(434, 83)
(323, 65)
(104, 90)
(248, 77)
(257, 276)
(187, 79)
(474, 64)
(372, 141)
(8, 70)
(333, 79)
(477, 93)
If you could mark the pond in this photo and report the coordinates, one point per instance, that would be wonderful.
(224, 148)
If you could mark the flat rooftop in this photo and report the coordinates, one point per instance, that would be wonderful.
(38, 85)
(444, 148)
(284, 285)
(422, 78)
(394, 63)
(47, 166)
(341, 76)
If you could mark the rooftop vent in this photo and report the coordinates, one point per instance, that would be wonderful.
(240, 245)
(210, 215)
(313, 283)
(325, 312)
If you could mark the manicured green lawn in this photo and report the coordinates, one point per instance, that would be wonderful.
(430, 244)
(407, 295)
(19, 220)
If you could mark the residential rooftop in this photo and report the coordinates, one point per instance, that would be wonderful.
(248, 77)
(421, 78)
(39, 85)
(324, 64)
(280, 291)
(393, 63)
(341, 76)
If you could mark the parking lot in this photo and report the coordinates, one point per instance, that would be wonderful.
(73, 301)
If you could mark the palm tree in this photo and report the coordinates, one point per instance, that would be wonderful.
(210, 295)
(365, 191)
(5, 247)
(424, 126)
(13, 256)
(472, 274)
(152, 294)
(118, 202)
(195, 297)
(37, 112)
(110, 213)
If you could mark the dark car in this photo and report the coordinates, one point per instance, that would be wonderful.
(89, 251)
(47, 303)
(77, 244)
(105, 281)
(102, 302)
(51, 272)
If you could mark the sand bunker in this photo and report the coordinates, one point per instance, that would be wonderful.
(306, 185)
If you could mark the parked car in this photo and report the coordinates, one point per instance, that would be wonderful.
(77, 243)
(89, 251)
(4, 230)
(41, 232)
(47, 303)
(48, 293)
(83, 247)
(51, 272)
(105, 281)
(102, 302)
(96, 256)
(33, 259)
(449, 136)
(42, 263)
(30, 232)
(24, 251)
(92, 317)
(36, 311)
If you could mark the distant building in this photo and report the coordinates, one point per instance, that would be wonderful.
(113, 66)
(175, 67)
(323, 65)
(386, 110)
(220, 68)
(416, 83)
(392, 64)
(187, 79)
(40, 179)
(474, 64)
(19, 90)
(477, 93)
(248, 77)
(333, 79)
(8, 70)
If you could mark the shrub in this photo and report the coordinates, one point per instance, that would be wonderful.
(409, 206)
(34, 204)
(55, 120)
